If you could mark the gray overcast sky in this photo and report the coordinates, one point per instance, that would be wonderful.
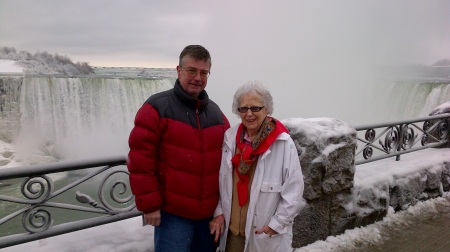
(284, 44)
(152, 33)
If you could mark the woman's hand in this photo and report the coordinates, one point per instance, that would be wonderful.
(217, 226)
(267, 230)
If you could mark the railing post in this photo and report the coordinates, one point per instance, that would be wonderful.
(400, 141)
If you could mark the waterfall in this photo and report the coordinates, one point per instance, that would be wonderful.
(62, 118)
(413, 98)
(9, 107)
(84, 117)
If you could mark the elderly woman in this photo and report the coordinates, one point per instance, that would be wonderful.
(261, 183)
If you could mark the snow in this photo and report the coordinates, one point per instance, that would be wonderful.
(127, 235)
(9, 66)
(443, 108)
(373, 234)
(387, 170)
(319, 128)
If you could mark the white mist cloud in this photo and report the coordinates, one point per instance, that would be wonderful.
(318, 57)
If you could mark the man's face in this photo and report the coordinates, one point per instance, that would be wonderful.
(193, 75)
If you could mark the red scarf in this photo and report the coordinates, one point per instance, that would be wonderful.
(268, 133)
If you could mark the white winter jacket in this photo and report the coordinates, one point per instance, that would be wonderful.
(275, 194)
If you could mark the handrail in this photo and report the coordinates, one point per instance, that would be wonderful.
(41, 169)
(40, 197)
(398, 138)
(408, 121)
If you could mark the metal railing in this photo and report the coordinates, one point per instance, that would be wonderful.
(384, 140)
(87, 193)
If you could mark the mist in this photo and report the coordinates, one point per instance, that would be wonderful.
(320, 59)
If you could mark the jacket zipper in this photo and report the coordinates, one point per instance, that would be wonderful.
(197, 116)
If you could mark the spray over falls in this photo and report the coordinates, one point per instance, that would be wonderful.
(69, 118)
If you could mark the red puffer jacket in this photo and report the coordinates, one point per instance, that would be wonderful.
(175, 154)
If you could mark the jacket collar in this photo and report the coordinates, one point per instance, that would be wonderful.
(230, 137)
(200, 103)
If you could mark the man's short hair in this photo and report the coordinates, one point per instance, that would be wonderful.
(197, 52)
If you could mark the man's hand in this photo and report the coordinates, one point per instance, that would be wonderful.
(153, 219)
(217, 226)
(267, 230)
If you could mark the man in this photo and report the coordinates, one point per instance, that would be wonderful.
(175, 155)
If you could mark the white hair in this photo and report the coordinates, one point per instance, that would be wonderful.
(252, 88)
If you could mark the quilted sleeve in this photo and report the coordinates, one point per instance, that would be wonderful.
(142, 162)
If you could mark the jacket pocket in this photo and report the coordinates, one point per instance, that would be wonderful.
(270, 187)
(268, 199)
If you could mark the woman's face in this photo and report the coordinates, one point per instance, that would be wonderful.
(252, 120)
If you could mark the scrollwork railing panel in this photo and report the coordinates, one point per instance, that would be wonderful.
(381, 141)
(90, 192)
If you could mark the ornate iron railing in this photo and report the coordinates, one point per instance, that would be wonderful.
(96, 191)
(384, 140)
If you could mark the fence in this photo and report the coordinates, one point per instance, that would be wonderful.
(386, 140)
(87, 193)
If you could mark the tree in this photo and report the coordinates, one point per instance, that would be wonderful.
(45, 63)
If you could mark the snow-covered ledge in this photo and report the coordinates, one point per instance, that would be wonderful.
(441, 109)
(326, 149)
(338, 197)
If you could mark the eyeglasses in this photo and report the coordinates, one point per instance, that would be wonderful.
(253, 109)
(192, 72)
